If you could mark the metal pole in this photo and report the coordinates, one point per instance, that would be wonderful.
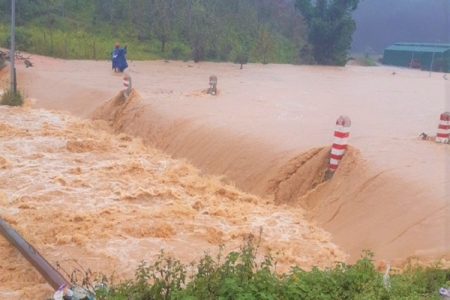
(12, 57)
(51, 275)
(412, 57)
(432, 61)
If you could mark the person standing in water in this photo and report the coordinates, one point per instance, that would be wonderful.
(118, 59)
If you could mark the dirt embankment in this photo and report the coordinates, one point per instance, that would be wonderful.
(284, 182)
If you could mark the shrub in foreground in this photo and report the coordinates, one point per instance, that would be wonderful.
(11, 98)
(241, 275)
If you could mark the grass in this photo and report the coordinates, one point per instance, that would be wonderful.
(79, 44)
(75, 44)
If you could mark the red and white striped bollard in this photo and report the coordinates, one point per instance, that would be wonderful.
(443, 134)
(127, 85)
(339, 146)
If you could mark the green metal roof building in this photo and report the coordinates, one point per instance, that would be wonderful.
(425, 56)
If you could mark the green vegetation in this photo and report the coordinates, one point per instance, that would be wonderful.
(368, 61)
(11, 98)
(330, 28)
(264, 31)
(2, 63)
(364, 60)
(243, 275)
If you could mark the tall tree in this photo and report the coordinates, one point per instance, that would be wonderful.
(164, 13)
(198, 27)
(330, 28)
(264, 45)
(115, 12)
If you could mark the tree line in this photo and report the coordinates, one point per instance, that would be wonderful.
(282, 31)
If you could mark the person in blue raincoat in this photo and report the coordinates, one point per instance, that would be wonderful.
(119, 62)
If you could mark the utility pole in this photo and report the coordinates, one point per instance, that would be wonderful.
(12, 56)
(432, 61)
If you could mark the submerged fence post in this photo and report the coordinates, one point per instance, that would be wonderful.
(127, 85)
(443, 134)
(339, 146)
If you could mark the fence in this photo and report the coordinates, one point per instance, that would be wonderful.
(68, 48)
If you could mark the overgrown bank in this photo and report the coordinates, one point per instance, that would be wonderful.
(213, 30)
(244, 275)
(86, 45)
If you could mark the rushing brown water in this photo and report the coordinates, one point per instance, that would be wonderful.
(104, 194)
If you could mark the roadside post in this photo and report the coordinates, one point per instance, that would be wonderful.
(127, 85)
(340, 142)
(212, 90)
(443, 134)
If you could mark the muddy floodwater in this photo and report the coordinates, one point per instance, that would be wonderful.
(92, 179)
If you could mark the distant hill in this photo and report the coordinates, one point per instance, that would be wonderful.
(384, 22)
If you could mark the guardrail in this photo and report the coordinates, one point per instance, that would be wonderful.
(51, 275)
